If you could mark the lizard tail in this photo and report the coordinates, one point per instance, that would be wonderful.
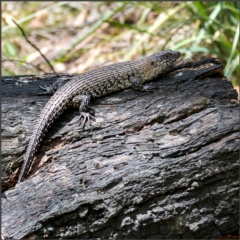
(49, 113)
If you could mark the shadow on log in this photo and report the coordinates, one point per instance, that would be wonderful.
(160, 165)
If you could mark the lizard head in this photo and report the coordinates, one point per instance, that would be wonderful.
(164, 59)
(156, 63)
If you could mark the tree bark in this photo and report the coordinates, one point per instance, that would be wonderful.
(160, 165)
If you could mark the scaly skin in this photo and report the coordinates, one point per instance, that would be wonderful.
(93, 84)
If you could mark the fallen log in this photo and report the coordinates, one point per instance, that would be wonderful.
(158, 165)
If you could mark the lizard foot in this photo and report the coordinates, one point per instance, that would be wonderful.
(83, 118)
(52, 88)
(150, 87)
(46, 89)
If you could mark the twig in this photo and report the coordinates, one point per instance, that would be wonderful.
(24, 35)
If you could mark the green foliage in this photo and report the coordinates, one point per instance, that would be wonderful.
(217, 33)
(94, 33)
(10, 49)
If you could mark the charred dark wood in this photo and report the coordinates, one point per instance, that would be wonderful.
(158, 165)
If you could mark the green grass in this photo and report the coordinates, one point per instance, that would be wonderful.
(76, 36)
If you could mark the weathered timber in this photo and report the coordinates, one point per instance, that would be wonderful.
(158, 165)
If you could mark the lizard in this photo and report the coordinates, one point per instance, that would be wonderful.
(92, 84)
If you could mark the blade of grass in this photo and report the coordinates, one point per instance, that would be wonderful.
(200, 8)
(92, 29)
(232, 66)
(143, 17)
(234, 46)
(129, 26)
(55, 5)
(158, 22)
(186, 42)
(207, 24)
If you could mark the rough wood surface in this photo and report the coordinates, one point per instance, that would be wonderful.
(158, 165)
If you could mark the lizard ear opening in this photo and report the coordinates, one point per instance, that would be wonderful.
(154, 64)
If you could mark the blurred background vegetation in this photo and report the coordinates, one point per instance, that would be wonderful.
(77, 36)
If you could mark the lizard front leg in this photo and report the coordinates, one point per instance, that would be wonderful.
(82, 101)
(138, 85)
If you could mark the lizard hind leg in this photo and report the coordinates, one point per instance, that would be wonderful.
(85, 113)
(52, 88)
